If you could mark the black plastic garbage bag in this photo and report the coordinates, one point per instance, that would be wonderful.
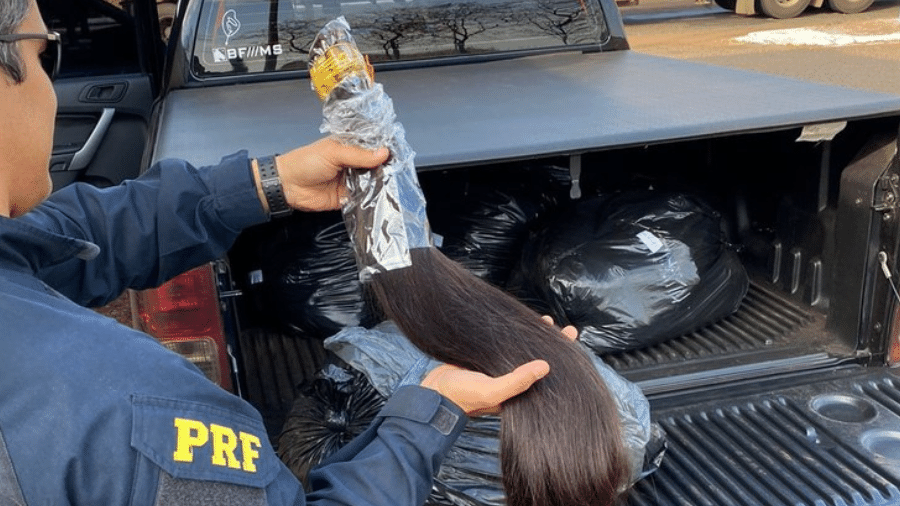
(484, 219)
(334, 408)
(307, 279)
(635, 269)
(341, 403)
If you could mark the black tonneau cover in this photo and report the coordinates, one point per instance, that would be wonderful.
(519, 108)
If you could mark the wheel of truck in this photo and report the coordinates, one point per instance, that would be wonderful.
(782, 9)
(728, 5)
(849, 6)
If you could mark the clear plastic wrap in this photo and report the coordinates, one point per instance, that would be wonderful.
(385, 212)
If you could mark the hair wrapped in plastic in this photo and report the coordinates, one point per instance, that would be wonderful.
(561, 442)
(385, 214)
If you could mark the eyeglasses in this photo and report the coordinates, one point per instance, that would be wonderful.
(50, 57)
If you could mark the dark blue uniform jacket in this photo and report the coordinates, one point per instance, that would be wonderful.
(95, 413)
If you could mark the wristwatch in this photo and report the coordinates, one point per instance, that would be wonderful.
(271, 187)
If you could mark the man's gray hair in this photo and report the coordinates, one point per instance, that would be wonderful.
(12, 13)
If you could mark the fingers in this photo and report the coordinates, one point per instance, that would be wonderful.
(343, 155)
(478, 394)
(569, 332)
(504, 388)
(520, 380)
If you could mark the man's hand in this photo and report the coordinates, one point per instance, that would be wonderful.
(313, 175)
(478, 394)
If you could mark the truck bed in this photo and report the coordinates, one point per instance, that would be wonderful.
(768, 333)
(783, 425)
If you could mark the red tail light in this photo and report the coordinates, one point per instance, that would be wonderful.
(894, 342)
(185, 316)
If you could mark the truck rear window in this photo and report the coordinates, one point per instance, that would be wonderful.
(257, 36)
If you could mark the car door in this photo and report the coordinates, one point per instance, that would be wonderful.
(111, 51)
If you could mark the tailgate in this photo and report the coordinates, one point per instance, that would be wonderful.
(830, 439)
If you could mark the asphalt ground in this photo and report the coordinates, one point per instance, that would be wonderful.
(854, 50)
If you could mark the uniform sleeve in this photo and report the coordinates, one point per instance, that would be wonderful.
(394, 461)
(172, 218)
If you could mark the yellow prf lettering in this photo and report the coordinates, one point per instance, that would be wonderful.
(190, 434)
(224, 443)
(250, 448)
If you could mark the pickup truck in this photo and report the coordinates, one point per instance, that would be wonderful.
(793, 399)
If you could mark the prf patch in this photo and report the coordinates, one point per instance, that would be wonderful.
(195, 434)
(196, 441)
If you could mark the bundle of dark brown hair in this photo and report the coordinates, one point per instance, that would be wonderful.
(560, 442)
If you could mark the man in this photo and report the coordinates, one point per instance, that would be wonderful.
(92, 412)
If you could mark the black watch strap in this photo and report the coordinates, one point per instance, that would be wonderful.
(272, 188)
